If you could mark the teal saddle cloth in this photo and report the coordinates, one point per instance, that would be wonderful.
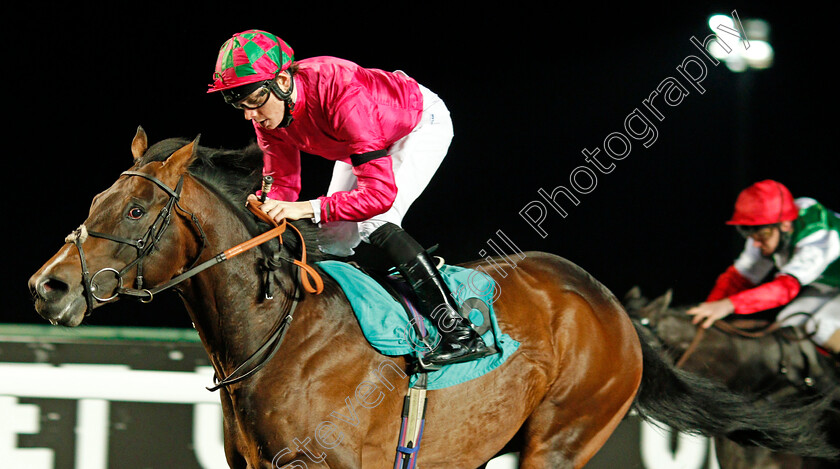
(387, 326)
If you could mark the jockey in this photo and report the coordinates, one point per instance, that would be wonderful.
(801, 239)
(387, 135)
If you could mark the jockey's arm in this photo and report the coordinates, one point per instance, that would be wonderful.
(728, 283)
(279, 209)
(780, 291)
(374, 194)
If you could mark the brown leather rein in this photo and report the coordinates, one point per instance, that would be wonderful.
(741, 329)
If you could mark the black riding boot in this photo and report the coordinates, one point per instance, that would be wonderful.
(459, 341)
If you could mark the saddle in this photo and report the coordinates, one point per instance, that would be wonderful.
(804, 364)
(382, 302)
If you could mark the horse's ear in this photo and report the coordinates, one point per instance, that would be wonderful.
(634, 293)
(668, 297)
(661, 304)
(140, 143)
(178, 162)
(657, 307)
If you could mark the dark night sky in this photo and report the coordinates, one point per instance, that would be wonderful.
(528, 91)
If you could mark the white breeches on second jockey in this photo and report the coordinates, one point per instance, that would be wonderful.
(817, 307)
(415, 159)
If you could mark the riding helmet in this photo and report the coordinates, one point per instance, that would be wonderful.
(250, 57)
(764, 203)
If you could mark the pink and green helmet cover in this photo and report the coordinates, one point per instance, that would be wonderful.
(249, 57)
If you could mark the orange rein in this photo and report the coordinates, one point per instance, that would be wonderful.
(308, 274)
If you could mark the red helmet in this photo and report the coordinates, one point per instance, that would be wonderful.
(249, 57)
(764, 203)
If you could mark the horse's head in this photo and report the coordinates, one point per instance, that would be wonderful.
(670, 325)
(134, 235)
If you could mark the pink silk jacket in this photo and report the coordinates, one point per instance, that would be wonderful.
(343, 112)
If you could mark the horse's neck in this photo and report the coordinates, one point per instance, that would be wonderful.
(227, 304)
(225, 301)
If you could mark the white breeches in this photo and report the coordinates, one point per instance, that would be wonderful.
(821, 305)
(415, 159)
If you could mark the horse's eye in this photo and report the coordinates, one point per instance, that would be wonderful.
(135, 213)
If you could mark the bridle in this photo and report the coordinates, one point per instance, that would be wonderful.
(148, 242)
(144, 246)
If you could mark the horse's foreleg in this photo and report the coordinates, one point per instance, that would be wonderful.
(235, 459)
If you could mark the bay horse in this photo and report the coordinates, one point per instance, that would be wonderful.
(754, 356)
(327, 396)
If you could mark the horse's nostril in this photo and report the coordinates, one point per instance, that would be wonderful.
(51, 286)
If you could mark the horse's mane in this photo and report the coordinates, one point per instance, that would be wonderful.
(232, 175)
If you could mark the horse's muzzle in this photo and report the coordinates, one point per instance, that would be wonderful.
(56, 300)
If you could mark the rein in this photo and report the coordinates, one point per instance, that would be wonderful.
(741, 329)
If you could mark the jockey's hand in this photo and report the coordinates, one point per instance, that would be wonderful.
(711, 312)
(278, 209)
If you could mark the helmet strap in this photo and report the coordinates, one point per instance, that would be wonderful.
(286, 97)
(784, 240)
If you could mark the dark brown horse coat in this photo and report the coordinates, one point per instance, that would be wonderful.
(752, 362)
(329, 398)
